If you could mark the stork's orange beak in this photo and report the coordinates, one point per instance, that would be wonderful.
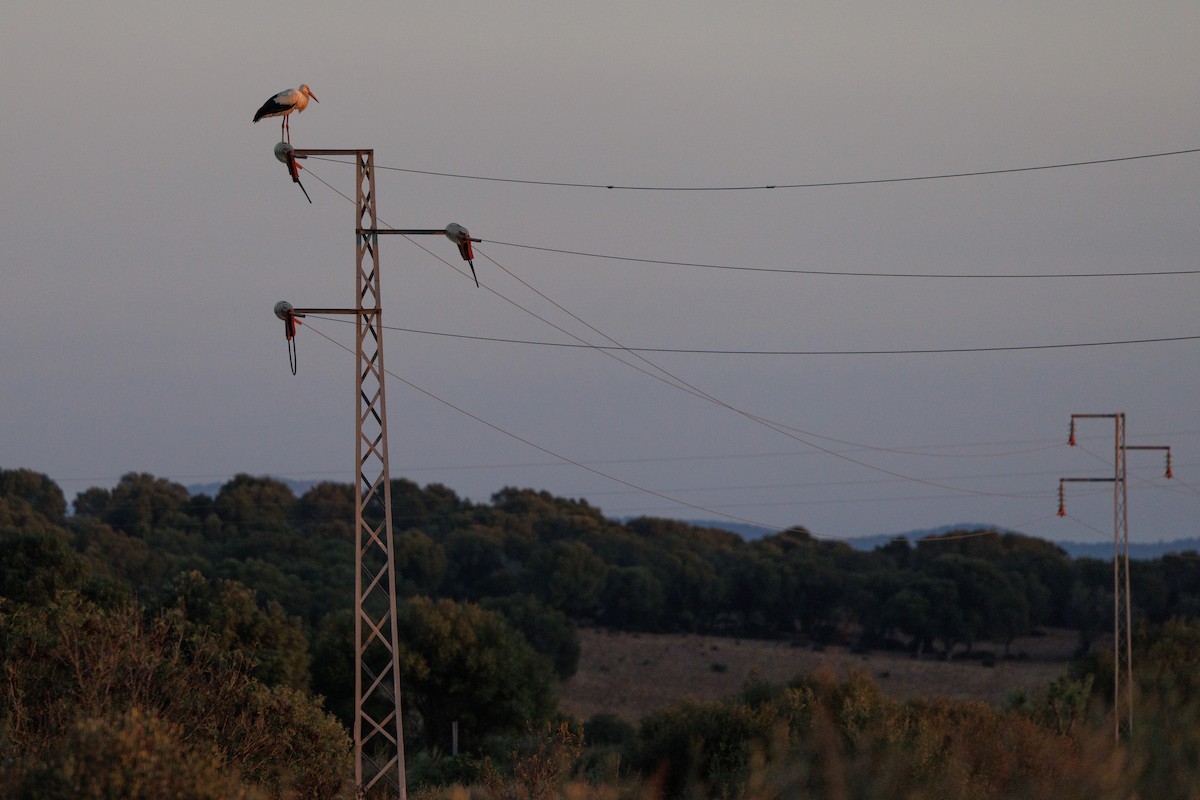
(313, 96)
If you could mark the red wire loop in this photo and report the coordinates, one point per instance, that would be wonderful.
(289, 331)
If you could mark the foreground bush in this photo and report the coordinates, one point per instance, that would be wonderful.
(823, 739)
(132, 756)
(73, 674)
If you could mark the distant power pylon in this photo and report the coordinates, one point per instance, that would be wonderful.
(1122, 604)
(378, 722)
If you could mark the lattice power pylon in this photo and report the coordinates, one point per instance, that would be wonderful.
(378, 722)
(1122, 604)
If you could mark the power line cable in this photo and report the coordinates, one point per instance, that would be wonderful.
(717, 351)
(611, 353)
(784, 430)
(512, 302)
(321, 474)
(659, 374)
(808, 185)
(517, 305)
(845, 273)
(678, 383)
(854, 483)
(551, 453)
(1090, 527)
(833, 273)
(581, 343)
(642, 489)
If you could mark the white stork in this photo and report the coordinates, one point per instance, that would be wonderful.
(285, 103)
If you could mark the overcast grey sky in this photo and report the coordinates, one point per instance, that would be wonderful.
(146, 232)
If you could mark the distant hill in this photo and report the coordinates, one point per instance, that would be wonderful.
(864, 543)
(1139, 551)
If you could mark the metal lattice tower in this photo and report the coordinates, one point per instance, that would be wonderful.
(378, 722)
(1122, 603)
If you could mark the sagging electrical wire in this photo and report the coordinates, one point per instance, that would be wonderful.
(722, 352)
(670, 379)
(551, 453)
(848, 273)
(820, 272)
(678, 383)
(508, 300)
(784, 430)
(661, 495)
(810, 185)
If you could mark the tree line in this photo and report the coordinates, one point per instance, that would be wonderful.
(937, 595)
(260, 581)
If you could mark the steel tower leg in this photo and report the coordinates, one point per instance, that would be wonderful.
(1122, 614)
(378, 723)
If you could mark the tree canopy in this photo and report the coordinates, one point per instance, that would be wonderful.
(230, 618)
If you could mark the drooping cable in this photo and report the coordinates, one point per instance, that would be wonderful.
(661, 495)
(718, 351)
(849, 273)
(667, 377)
(809, 185)
(784, 430)
(552, 453)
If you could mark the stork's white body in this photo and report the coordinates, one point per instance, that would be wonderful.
(283, 104)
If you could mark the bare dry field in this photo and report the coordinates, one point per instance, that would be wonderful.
(631, 675)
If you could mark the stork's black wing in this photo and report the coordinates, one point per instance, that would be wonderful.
(272, 107)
